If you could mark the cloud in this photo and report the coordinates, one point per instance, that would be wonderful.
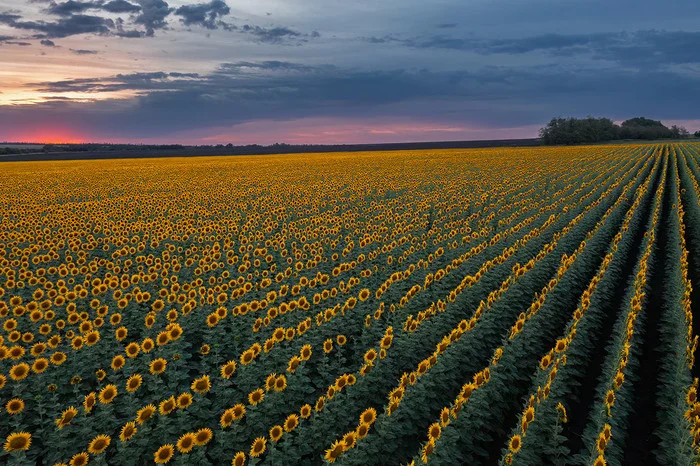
(84, 52)
(207, 15)
(153, 15)
(640, 48)
(63, 27)
(273, 35)
(70, 7)
(48, 43)
(121, 6)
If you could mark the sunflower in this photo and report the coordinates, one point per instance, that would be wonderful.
(258, 447)
(328, 346)
(167, 406)
(562, 412)
(305, 352)
(201, 385)
(108, 393)
(291, 422)
(77, 342)
(58, 358)
(276, 433)
(364, 294)
(256, 396)
(434, 431)
(92, 338)
(293, 364)
(186, 443)
(349, 440)
(320, 403)
(247, 357)
(14, 406)
(362, 430)
(162, 338)
(270, 382)
(226, 418)
(158, 366)
(334, 452)
(515, 443)
(305, 411)
(19, 371)
(132, 349)
(128, 431)
(99, 444)
(80, 459)
(184, 400)
(445, 417)
(66, 417)
(145, 413)
(89, 401)
(18, 441)
(228, 369)
(164, 454)
(134, 382)
(118, 362)
(238, 411)
(280, 383)
(40, 365)
(239, 459)
(121, 333)
(147, 345)
(370, 356)
(610, 398)
(600, 461)
(427, 450)
(368, 416)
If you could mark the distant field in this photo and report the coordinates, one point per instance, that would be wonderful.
(21, 146)
(525, 306)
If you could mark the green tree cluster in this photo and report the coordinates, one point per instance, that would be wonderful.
(591, 130)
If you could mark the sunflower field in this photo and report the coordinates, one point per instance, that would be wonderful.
(502, 306)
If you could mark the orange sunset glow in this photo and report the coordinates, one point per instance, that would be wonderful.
(51, 135)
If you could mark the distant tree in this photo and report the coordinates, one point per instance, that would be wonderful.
(697, 134)
(645, 128)
(575, 131)
(679, 131)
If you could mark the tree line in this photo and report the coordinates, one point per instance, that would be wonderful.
(588, 130)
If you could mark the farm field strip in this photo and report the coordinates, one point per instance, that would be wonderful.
(344, 308)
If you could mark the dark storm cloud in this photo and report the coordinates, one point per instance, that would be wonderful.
(274, 35)
(153, 15)
(48, 43)
(121, 6)
(63, 27)
(281, 90)
(70, 7)
(207, 15)
(640, 48)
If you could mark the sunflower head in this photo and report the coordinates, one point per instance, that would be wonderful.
(186, 443)
(99, 444)
(163, 454)
(18, 441)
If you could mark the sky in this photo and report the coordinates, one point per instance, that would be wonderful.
(332, 71)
